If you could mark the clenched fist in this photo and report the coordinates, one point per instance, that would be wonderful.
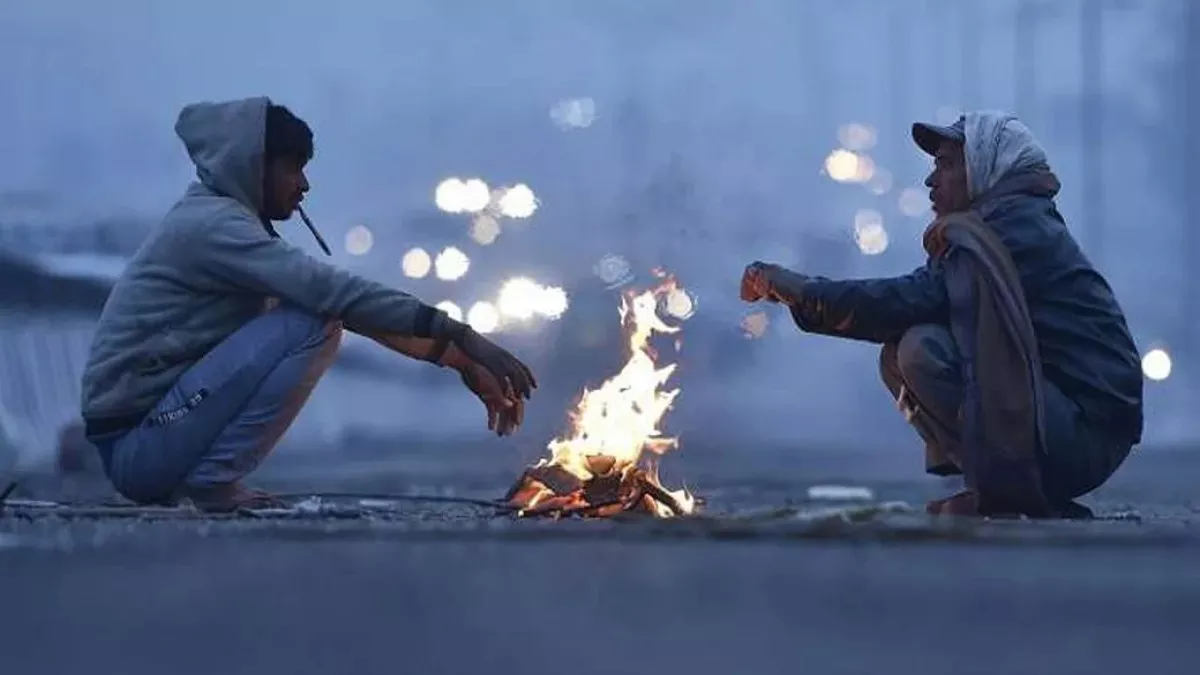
(755, 282)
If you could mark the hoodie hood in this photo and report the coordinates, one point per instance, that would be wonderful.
(226, 143)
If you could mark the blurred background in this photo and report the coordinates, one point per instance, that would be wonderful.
(525, 162)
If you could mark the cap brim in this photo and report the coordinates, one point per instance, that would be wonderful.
(929, 137)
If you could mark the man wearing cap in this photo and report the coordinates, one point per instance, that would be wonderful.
(1006, 350)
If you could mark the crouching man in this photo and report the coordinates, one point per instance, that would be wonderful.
(1006, 351)
(218, 330)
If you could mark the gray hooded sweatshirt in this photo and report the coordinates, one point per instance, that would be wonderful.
(206, 270)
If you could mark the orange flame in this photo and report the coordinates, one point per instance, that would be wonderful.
(620, 418)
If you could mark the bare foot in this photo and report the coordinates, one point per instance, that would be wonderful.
(230, 498)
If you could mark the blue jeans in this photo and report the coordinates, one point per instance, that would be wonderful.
(227, 412)
(922, 371)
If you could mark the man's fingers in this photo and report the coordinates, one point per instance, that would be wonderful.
(493, 414)
(518, 413)
(529, 376)
(512, 411)
(520, 378)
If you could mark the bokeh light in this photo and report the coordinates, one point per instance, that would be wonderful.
(844, 166)
(864, 218)
(359, 240)
(857, 137)
(841, 165)
(613, 270)
(416, 263)
(575, 113)
(869, 232)
(680, 304)
(864, 169)
(452, 310)
(914, 202)
(451, 264)
(484, 229)
(455, 195)
(521, 298)
(881, 183)
(1156, 364)
(554, 302)
(518, 298)
(517, 201)
(483, 317)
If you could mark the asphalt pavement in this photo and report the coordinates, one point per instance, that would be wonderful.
(769, 581)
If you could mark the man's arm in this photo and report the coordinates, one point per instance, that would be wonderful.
(874, 310)
(505, 409)
(236, 253)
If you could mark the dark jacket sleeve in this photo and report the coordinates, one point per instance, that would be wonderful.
(873, 310)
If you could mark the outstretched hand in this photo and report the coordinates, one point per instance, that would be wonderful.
(514, 377)
(501, 381)
(504, 412)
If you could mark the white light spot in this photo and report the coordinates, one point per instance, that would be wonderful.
(869, 233)
(518, 298)
(455, 195)
(485, 229)
(754, 325)
(913, 202)
(1156, 365)
(448, 195)
(575, 113)
(476, 195)
(452, 310)
(613, 270)
(451, 264)
(521, 298)
(553, 302)
(483, 317)
(416, 263)
(359, 240)
(517, 201)
(680, 304)
(857, 137)
(841, 165)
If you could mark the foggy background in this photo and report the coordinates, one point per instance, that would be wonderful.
(696, 136)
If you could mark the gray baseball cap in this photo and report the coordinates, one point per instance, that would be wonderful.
(929, 136)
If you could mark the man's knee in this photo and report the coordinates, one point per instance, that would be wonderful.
(889, 369)
(305, 329)
(925, 351)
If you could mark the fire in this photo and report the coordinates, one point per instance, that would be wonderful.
(609, 462)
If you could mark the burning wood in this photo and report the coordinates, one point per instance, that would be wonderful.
(603, 468)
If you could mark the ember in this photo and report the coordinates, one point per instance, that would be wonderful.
(608, 465)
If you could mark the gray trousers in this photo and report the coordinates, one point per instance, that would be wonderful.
(227, 412)
(923, 373)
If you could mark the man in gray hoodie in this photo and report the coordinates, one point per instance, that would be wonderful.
(218, 330)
